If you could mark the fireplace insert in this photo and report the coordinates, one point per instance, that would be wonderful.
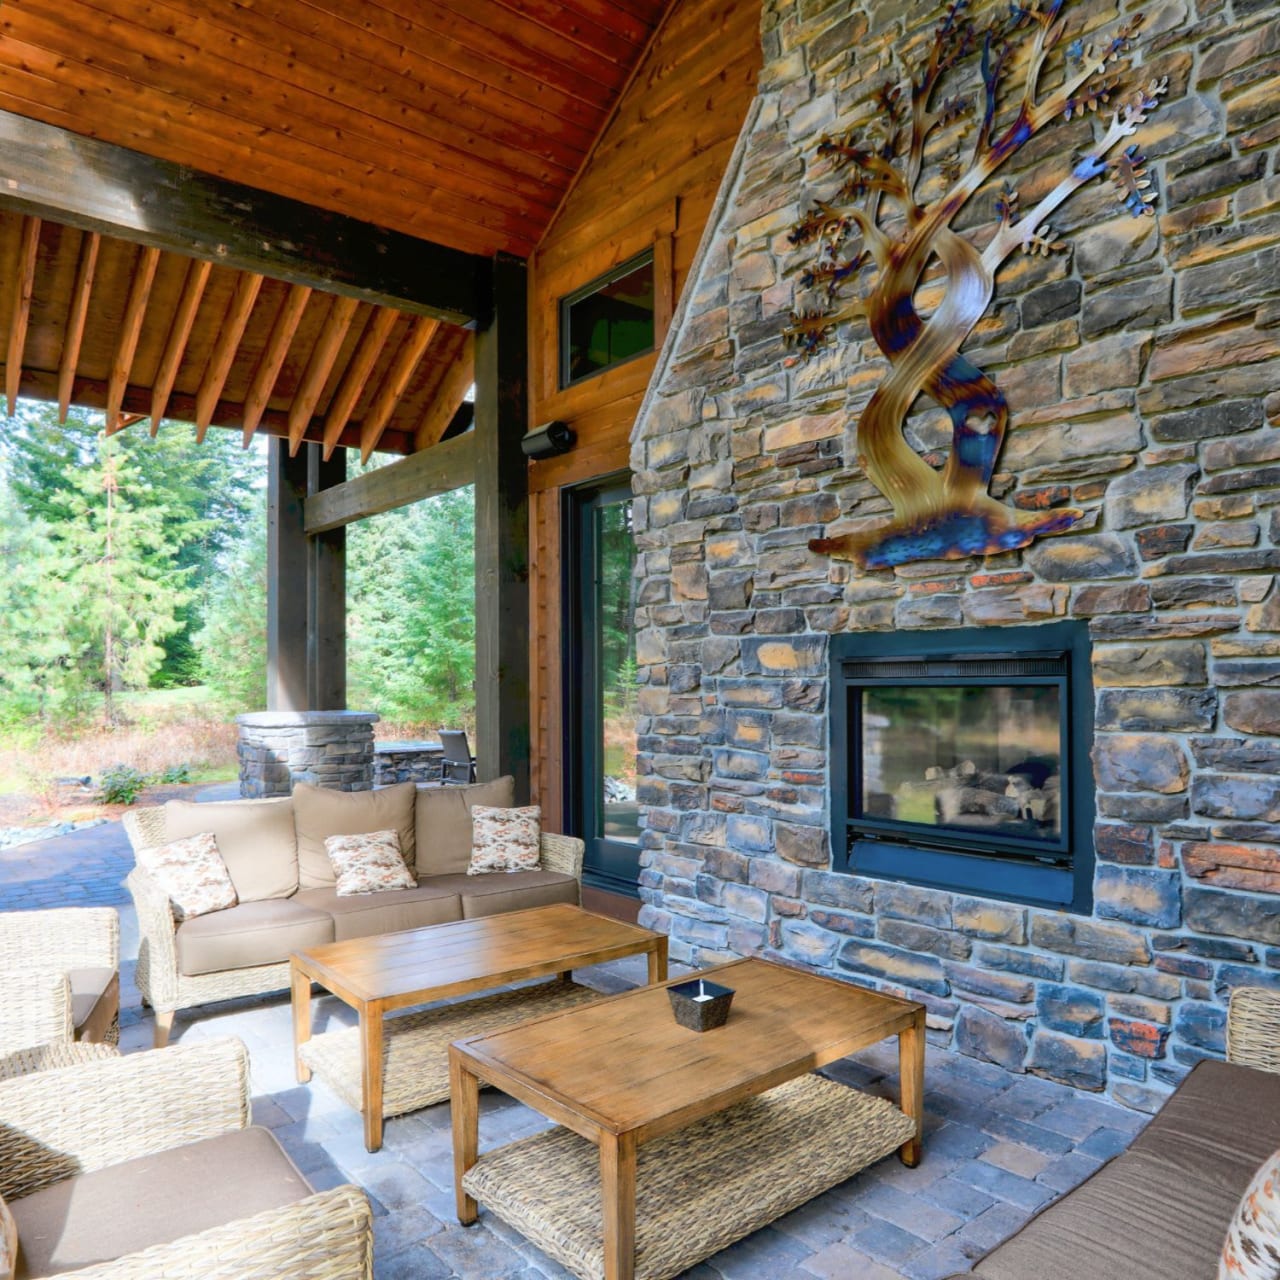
(960, 760)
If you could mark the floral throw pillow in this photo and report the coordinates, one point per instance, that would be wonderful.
(504, 839)
(368, 863)
(1252, 1247)
(191, 871)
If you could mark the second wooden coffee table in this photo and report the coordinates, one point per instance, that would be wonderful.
(379, 975)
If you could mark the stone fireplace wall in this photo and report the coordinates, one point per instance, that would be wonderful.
(1142, 370)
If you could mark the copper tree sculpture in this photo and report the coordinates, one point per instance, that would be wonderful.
(876, 211)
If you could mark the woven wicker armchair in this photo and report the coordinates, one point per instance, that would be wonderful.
(51, 962)
(63, 1124)
(1253, 1028)
(166, 989)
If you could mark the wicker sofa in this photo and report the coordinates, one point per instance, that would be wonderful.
(1160, 1210)
(274, 852)
(146, 1167)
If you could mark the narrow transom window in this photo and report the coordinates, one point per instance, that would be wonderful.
(607, 321)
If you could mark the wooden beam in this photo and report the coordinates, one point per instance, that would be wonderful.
(273, 356)
(449, 465)
(77, 314)
(502, 531)
(322, 360)
(135, 311)
(326, 594)
(224, 349)
(415, 343)
(25, 282)
(376, 332)
(451, 392)
(97, 186)
(175, 346)
(287, 559)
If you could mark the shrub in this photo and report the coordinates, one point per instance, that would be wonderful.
(120, 784)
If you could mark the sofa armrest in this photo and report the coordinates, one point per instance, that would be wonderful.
(54, 1124)
(327, 1236)
(35, 1008)
(561, 853)
(145, 827)
(60, 938)
(156, 974)
(1253, 1028)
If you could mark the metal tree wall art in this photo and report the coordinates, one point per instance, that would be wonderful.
(875, 239)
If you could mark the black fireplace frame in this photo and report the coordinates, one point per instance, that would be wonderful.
(1052, 875)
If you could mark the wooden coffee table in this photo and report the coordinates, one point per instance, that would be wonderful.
(621, 1073)
(379, 975)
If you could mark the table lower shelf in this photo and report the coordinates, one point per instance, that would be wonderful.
(698, 1189)
(415, 1050)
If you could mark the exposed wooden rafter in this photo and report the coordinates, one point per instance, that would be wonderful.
(77, 314)
(175, 346)
(376, 332)
(451, 392)
(268, 370)
(135, 309)
(319, 367)
(411, 351)
(225, 348)
(25, 275)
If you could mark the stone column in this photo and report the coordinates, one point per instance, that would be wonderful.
(324, 748)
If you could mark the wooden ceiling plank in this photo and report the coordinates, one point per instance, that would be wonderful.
(77, 314)
(411, 351)
(179, 332)
(323, 356)
(97, 186)
(273, 357)
(225, 347)
(24, 276)
(376, 332)
(135, 310)
(450, 393)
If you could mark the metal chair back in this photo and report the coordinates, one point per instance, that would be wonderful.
(458, 765)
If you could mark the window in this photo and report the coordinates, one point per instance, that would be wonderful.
(608, 321)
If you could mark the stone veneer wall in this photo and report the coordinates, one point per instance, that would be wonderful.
(407, 762)
(323, 748)
(1141, 368)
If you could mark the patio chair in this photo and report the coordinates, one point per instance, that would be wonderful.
(61, 977)
(146, 1166)
(458, 765)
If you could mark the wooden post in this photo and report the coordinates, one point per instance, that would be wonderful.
(286, 580)
(326, 594)
(502, 531)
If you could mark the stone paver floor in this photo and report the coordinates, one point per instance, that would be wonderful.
(997, 1146)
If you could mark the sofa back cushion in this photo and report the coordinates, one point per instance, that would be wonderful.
(255, 839)
(319, 812)
(443, 822)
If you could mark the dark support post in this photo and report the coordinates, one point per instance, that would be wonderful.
(326, 594)
(502, 532)
(286, 580)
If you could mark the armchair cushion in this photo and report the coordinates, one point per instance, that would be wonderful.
(251, 934)
(95, 1001)
(255, 838)
(154, 1199)
(443, 821)
(319, 812)
(363, 915)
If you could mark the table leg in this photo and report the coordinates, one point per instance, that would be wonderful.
(618, 1185)
(658, 961)
(371, 1074)
(911, 1073)
(300, 985)
(464, 1104)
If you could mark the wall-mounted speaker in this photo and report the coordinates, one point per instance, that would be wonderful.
(548, 440)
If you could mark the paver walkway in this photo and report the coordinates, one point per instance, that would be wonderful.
(997, 1146)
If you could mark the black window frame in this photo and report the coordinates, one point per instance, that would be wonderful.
(645, 257)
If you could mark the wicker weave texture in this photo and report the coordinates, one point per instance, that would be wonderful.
(328, 1236)
(60, 938)
(51, 1057)
(698, 1189)
(562, 854)
(79, 1118)
(415, 1047)
(1253, 1028)
(35, 1009)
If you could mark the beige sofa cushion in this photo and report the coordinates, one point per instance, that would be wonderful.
(512, 891)
(96, 1217)
(319, 812)
(367, 914)
(255, 839)
(251, 934)
(443, 822)
(95, 1001)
